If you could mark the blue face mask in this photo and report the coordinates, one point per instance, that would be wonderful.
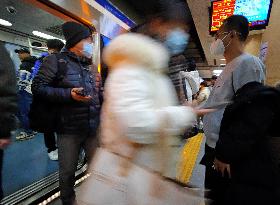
(177, 41)
(88, 50)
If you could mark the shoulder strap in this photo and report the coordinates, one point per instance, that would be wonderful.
(61, 65)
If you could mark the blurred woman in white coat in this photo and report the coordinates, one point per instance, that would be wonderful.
(141, 120)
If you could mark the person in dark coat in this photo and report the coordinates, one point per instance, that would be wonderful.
(27, 61)
(248, 145)
(54, 47)
(77, 98)
(24, 92)
(8, 104)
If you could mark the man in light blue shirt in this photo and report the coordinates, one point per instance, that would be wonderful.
(241, 68)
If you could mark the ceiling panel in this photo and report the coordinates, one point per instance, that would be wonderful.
(28, 18)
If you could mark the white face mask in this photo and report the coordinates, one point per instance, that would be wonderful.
(218, 47)
(88, 50)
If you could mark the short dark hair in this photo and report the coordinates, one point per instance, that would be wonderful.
(140, 28)
(172, 10)
(214, 77)
(55, 44)
(204, 83)
(238, 23)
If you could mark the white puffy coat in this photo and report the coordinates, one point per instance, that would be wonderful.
(140, 102)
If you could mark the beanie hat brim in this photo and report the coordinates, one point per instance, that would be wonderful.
(76, 39)
(74, 33)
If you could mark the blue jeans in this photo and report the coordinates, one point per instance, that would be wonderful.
(24, 102)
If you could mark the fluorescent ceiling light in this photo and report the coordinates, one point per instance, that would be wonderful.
(45, 36)
(222, 64)
(217, 72)
(222, 59)
(5, 23)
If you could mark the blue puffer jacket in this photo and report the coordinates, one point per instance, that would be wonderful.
(74, 117)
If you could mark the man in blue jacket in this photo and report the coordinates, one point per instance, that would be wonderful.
(77, 99)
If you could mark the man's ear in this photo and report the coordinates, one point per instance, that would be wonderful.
(235, 33)
(232, 34)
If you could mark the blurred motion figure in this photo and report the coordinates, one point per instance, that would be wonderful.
(168, 25)
(8, 105)
(140, 117)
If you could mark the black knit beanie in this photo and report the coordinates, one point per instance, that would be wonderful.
(74, 32)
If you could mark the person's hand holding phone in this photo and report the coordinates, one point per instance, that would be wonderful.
(79, 95)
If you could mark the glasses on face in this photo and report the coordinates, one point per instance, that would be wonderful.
(218, 35)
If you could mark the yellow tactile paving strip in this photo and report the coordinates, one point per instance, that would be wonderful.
(188, 158)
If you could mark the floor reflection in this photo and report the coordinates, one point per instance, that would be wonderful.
(26, 162)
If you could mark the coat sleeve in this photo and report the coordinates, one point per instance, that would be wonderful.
(42, 83)
(8, 97)
(136, 112)
(239, 134)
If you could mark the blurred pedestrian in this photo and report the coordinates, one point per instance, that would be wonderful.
(203, 94)
(168, 25)
(212, 82)
(141, 119)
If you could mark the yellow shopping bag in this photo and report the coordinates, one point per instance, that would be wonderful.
(188, 158)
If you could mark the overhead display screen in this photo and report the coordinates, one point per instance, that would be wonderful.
(256, 11)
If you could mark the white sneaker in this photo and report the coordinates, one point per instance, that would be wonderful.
(33, 134)
(23, 136)
(53, 155)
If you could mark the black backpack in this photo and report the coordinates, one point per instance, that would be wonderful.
(44, 115)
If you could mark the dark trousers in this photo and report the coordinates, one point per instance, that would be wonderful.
(218, 186)
(50, 142)
(214, 181)
(69, 147)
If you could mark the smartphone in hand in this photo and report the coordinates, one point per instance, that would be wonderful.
(81, 92)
